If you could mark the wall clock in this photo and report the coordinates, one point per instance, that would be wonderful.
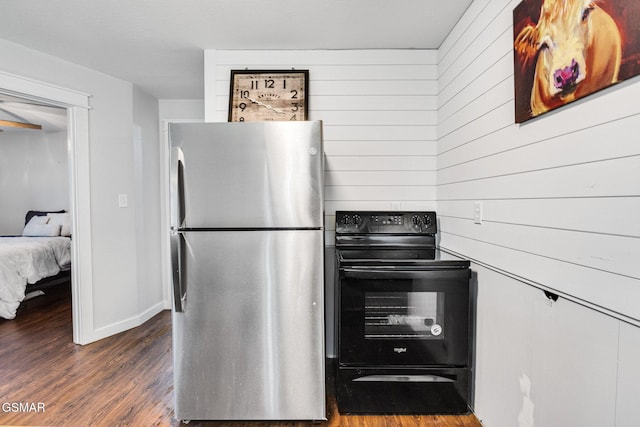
(259, 95)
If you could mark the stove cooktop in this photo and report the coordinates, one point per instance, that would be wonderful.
(391, 240)
(395, 259)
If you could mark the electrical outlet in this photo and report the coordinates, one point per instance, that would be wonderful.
(477, 212)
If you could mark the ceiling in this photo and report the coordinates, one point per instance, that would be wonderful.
(158, 44)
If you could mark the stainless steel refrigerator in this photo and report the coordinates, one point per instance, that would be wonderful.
(247, 256)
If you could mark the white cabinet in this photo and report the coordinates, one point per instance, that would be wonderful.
(503, 347)
(550, 364)
(575, 352)
(628, 396)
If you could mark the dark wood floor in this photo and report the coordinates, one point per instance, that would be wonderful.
(125, 380)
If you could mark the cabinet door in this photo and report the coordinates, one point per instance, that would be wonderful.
(574, 367)
(628, 376)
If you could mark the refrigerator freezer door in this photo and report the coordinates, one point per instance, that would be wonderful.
(251, 175)
(250, 342)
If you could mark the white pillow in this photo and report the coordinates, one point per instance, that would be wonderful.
(62, 219)
(38, 226)
(33, 222)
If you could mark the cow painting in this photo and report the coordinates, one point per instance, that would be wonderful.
(575, 48)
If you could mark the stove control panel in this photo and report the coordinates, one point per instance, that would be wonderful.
(382, 222)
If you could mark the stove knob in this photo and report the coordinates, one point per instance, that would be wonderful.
(415, 220)
(356, 219)
(346, 220)
(427, 220)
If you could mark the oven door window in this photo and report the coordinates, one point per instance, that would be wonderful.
(404, 315)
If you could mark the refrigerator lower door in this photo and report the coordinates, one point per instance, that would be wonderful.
(249, 344)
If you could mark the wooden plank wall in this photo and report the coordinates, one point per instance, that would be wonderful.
(560, 193)
(379, 111)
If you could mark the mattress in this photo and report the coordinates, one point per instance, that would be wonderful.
(26, 260)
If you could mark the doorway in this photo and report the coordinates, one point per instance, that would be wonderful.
(76, 105)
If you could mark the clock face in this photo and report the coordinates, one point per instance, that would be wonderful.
(268, 95)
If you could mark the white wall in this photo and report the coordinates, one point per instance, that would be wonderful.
(146, 196)
(34, 175)
(113, 230)
(559, 196)
(181, 109)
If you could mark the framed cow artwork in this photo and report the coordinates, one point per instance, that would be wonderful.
(567, 49)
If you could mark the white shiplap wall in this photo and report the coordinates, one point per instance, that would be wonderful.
(379, 113)
(560, 194)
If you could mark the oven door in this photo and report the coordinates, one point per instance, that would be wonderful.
(403, 316)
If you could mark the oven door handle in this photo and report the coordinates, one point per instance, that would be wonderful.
(404, 273)
(405, 379)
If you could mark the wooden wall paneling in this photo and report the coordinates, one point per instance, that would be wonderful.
(380, 193)
(495, 97)
(489, 122)
(379, 148)
(483, 81)
(377, 117)
(590, 287)
(607, 178)
(270, 58)
(367, 87)
(381, 163)
(370, 102)
(331, 206)
(592, 215)
(509, 137)
(404, 71)
(491, 54)
(613, 254)
(386, 133)
(456, 37)
(489, 24)
(475, 83)
(582, 146)
(355, 72)
(380, 177)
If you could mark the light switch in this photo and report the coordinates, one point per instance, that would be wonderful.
(477, 212)
(123, 202)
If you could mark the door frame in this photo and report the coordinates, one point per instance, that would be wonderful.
(77, 106)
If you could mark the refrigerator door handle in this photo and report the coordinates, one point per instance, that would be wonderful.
(177, 220)
(179, 294)
(177, 188)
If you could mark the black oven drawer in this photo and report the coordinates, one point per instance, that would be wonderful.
(403, 391)
(403, 318)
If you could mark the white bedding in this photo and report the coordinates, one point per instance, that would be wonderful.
(26, 260)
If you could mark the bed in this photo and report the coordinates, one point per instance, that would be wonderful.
(39, 258)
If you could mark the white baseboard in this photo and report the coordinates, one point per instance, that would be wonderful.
(124, 325)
